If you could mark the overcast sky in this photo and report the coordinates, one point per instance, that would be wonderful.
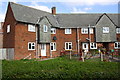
(65, 6)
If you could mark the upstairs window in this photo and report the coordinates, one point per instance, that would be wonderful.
(68, 31)
(8, 28)
(53, 46)
(31, 28)
(0, 25)
(105, 29)
(93, 45)
(68, 45)
(91, 30)
(117, 45)
(84, 30)
(53, 30)
(45, 28)
(31, 45)
(118, 30)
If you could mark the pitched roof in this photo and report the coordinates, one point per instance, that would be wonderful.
(31, 15)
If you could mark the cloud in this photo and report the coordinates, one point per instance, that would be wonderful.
(2, 17)
(43, 8)
(76, 10)
(87, 9)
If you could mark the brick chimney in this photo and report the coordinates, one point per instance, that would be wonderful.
(54, 10)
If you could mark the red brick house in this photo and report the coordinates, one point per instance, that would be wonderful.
(1, 35)
(42, 35)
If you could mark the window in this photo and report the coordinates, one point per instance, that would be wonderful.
(91, 30)
(93, 45)
(68, 31)
(118, 30)
(68, 45)
(8, 28)
(84, 30)
(105, 29)
(53, 46)
(31, 45)
(117, 45)
(45, 28)
(0, 25)
(53, 31)
(31, 28)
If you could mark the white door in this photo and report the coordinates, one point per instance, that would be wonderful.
(43, 49)
(85, 47)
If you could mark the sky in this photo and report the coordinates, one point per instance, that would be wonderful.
(65, 6)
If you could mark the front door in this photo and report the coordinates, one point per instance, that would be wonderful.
(43, 49)
(85, 47)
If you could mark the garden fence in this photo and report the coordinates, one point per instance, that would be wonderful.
(7, 53)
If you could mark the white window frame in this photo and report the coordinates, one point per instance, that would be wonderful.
(68, 31)
(8, 28)
(84, 30)
(117, 47)
(105, 29)
(93, 44)
(53, 30)
(45, 28)
(69, 43)
(91, 30)
(54, 46)
(0, 25)
(118, 30)
(32, 45)
(31, 28)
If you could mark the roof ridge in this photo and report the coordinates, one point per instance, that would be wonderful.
(28, 7)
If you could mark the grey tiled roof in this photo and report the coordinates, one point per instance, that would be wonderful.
(31, 15)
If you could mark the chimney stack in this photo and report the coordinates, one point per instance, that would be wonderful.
(54, 10)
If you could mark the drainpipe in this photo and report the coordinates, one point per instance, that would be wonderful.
(89, 36)
(36, 30)
(78, 40)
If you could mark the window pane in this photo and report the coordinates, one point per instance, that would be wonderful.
(30, 46)
(66, 45)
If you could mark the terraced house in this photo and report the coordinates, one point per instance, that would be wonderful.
(42, 34)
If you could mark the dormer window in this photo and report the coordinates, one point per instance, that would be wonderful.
(68, 31)
(31, 28)
(45, 28)
(105, 29)
(8, 28)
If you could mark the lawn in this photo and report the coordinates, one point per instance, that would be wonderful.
(60, 68)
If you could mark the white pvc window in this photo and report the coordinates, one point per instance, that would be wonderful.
(105, 29)
(68, 31)
(91, 30)
(31, 28)
(84, 30)
(31, 45)
(117, 45)
(68, 45)
(118, 30)
(53, 46)
(93, 45)
(53, 30)
(45, 28)
(0, 25)
(8, 28)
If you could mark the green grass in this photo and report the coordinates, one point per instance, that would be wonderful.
(60, 68)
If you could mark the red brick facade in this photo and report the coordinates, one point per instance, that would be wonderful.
(19, 36)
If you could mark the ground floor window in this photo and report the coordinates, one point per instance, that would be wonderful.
(31, 45)
(53, 46)
(93, 45)
(117, 45)
(68, 45)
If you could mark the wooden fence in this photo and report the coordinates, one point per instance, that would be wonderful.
(7, 53)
